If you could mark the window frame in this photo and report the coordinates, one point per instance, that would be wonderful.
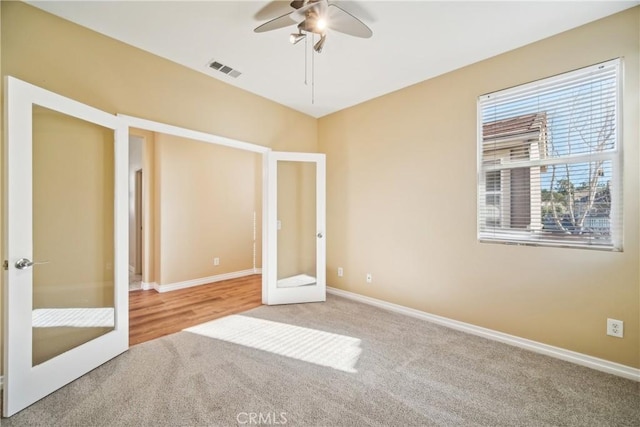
(615, 156)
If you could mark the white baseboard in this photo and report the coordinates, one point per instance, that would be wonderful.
(147, 286)
(203, 280)
(549, 350)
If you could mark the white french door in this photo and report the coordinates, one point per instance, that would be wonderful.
(295, 267)
(65, 283)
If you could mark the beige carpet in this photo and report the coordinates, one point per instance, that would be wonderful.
(408, 373)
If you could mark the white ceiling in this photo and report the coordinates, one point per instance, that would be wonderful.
(412, 41)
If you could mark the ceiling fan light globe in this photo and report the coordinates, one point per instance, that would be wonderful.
(321, 24)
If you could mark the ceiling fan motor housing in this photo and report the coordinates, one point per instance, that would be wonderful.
(310, 24)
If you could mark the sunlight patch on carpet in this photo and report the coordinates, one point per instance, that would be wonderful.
(309, 345)
(73, 317)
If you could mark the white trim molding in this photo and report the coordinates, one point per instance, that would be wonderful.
(202, 281)
(159, 127)
(537, 347)
(146, 286)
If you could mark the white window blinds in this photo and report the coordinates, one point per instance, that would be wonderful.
(549, 161)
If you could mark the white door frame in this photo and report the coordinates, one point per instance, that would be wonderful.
(150, 125)
(25, 384)
(153, 126)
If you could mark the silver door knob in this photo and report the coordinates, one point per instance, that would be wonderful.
(319, 235)
(24, 263)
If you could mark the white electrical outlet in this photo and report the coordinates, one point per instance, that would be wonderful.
(615, 328)
(369, 278)
(340, 272)
(216, 261)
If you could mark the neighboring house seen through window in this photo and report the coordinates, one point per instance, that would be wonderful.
(549, 164)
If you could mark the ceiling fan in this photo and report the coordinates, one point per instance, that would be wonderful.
(316, 17)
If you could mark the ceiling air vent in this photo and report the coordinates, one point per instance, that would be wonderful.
(224, 69)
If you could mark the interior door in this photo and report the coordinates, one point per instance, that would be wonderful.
(295, 222)
(65, 283)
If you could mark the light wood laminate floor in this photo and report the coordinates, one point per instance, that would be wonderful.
(153, 314)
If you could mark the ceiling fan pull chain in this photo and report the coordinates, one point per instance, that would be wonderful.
(313, 71)
(305, 61)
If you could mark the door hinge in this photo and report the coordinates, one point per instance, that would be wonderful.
(5, 264)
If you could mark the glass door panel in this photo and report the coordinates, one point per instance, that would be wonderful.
(73, 225)
(297, 264)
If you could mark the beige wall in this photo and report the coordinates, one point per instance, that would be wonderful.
(78, 63)
(206, 196)
(401, 184)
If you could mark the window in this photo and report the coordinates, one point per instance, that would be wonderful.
(493, 199)
(549, 161)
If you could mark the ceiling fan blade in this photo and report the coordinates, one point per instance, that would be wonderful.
(271, 9)
(297, 4)
(319, 7)
(274, 24)
(342, 21)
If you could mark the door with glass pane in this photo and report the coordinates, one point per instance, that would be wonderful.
(65, 295)
(295, 243)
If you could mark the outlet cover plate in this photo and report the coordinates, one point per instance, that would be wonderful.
(615, 328)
